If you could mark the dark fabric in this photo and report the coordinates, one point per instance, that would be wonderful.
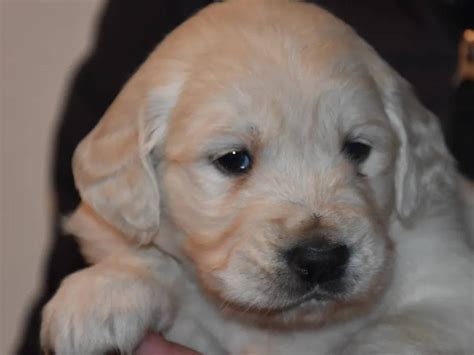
(417, 38)
(461, 139)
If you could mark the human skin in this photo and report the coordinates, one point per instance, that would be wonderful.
(154, 344)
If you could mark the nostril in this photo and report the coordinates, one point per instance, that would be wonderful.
(318, 262)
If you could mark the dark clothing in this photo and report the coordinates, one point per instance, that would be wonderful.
(420, 46)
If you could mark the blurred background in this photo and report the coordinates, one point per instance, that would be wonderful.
(63, 62)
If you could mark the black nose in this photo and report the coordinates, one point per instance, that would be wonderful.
(319, 261)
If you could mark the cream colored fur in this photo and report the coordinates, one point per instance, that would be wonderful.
(178, 247)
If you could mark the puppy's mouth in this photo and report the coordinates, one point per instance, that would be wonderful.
(301, 282)
(285, 300)
(291, 302)
(306, 311)
(304, 286)
(309, 310)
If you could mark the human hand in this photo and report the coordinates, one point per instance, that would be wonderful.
(154, 344)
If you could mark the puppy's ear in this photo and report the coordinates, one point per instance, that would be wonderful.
(113, 168)
(424, 168)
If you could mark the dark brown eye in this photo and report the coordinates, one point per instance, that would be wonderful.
(358, 152)
(236, 162)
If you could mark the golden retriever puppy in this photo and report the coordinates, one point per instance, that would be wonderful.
(266, 184)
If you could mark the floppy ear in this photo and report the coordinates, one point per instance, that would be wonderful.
(424, 168)
(113, 167)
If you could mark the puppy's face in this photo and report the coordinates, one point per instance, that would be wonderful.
(280, 147)
(280, 177)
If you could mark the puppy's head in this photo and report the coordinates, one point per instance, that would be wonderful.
(279, 147)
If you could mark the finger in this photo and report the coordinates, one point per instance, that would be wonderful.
(154, 344)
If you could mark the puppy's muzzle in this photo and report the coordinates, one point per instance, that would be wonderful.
(318, 263)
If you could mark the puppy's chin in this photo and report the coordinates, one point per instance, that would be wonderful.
(308, 313)
(311, 310)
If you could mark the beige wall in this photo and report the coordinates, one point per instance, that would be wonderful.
(41, 41)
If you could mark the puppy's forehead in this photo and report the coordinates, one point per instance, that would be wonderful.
(271, 81)
(270, 105)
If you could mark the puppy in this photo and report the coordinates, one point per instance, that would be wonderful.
(266, 184)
